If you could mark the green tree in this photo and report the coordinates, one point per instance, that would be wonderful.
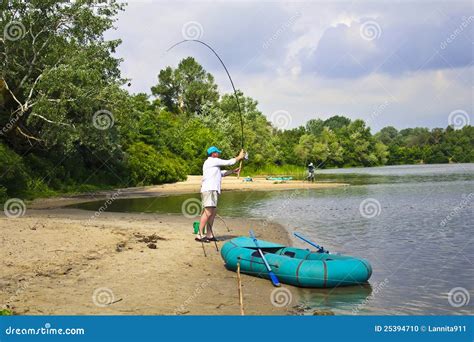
(337, 122)
(315, 126)
(187, 88)
(60, 71)
(257, 129)
(387, 135)
(56, 75)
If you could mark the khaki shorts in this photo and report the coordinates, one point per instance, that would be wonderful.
(209, 198)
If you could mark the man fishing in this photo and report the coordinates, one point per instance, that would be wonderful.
(211, 188)
(310, 172)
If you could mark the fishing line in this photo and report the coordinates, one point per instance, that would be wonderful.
(225, 224)
(230, 79)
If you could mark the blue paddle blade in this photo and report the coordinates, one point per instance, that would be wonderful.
(274, 279)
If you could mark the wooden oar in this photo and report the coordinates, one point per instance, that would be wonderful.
(239, 284)
(272, 275)
(320, 248)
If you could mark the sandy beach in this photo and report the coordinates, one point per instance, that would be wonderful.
(60, 261)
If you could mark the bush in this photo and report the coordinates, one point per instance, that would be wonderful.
(14, 173)
(36, 187)
(6, 312)
(148, 166)
(3, 194)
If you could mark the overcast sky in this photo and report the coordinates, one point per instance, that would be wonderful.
(399, 63)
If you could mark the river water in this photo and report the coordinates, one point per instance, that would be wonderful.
(414, 224)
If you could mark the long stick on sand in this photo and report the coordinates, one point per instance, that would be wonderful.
(241, 298)
(202, 244)
(209, 226)
(200, 238)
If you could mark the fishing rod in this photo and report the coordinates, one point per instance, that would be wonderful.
(231, 82)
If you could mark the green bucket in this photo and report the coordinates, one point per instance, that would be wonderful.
(196, 228)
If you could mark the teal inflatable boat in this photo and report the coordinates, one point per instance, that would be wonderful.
(281, 179)
(295, 266)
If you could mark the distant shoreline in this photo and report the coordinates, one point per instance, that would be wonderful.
(190, 186)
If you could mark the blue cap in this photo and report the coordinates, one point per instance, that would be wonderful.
(213, 149)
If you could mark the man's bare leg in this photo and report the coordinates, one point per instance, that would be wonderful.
(210, 221)
(206, 215)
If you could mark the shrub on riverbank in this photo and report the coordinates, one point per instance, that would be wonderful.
(148, 166)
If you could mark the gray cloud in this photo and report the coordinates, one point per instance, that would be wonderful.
(310, 59)
(422, 38)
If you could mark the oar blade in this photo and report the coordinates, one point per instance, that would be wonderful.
(274, 279)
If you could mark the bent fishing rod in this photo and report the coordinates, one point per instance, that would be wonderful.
(231, 82)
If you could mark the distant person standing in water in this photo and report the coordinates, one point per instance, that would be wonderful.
(211, 188)
(310, 172)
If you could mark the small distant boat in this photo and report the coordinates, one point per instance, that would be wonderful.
(280, 179)
(295, 266)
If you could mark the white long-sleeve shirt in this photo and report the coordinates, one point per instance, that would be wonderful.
(212, 174)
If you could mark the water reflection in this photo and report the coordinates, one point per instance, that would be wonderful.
(341, 299)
